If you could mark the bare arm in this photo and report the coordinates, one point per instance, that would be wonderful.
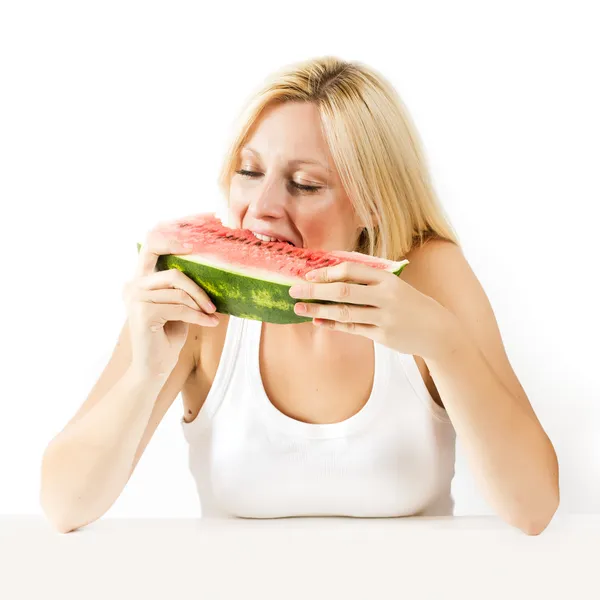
(87, 465)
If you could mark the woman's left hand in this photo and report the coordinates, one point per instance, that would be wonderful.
(387, 309)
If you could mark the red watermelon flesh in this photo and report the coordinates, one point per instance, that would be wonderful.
(239, 246)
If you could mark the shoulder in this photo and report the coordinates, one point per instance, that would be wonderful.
(434, 249)
(440, 269)
(433, 264)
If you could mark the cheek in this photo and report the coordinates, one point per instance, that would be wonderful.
(317, 219)
(237, 204)
(235, 192)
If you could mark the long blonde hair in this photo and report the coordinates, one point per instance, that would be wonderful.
(374, 144)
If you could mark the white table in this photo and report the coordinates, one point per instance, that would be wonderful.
(337, 558)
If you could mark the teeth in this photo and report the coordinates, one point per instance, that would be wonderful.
(265, 238)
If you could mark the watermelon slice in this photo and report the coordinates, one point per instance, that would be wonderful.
(248, 277)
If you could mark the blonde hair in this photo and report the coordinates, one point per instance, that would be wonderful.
(374, 145)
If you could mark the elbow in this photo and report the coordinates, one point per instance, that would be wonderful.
(536, 518)
(536, 521)
(534, 526)
(60, 519)
(53, 498)
(61, 526)
(56, 517)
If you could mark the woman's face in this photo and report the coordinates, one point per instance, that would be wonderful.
(269, 195)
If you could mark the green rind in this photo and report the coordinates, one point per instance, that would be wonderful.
(241, 295)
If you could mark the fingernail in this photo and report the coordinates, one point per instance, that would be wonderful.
(211, 307)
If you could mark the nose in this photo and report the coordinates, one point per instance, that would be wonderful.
(268, 200)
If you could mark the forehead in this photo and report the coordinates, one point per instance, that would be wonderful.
(290, 129)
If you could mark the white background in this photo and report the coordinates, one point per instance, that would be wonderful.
(116, 115)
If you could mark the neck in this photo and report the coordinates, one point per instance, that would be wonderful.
(303, 334)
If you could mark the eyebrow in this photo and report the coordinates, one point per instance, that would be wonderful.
(295, 161)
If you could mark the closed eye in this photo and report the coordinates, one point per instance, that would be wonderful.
(304, 188)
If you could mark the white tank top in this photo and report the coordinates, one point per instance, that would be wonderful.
(395, 457)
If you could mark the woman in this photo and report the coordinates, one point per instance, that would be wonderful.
(354, 413)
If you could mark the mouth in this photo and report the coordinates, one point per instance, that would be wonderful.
(267, 238)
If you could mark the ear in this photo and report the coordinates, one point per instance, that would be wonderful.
(360, 224)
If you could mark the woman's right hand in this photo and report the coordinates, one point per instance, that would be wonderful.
(160, 305)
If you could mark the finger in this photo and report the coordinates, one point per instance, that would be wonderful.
(168, 296)
(157, 245)
(342, 313)
(174, 278)
(179, 312)
(348, 271)
(339, 291)
(370, 331)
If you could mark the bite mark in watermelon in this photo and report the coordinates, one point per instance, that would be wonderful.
(248, 277)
